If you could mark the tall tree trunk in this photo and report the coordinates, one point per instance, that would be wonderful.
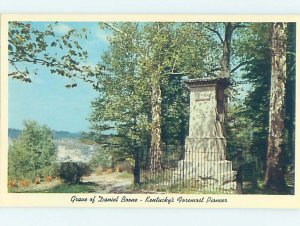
(274, 175)
(137, 165)
(225, 61)
(137, 156)
(156, 135)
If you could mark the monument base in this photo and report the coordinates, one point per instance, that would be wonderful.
(208, 175)
(205, 164)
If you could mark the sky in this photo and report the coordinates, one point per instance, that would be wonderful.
(46, 99)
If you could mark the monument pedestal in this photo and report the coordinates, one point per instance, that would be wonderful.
(210, 175)
(205, 148)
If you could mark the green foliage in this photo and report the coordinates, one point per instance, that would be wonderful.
(239, 131)
(72, 172)
(60, 188)
(33, 153)
(62, 54)
(248, 118)
(71, 188)
(101, 158)
(175, 111)
(142, 56)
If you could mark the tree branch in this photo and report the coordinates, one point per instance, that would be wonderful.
(290, 53)
(215, 69)
(216, 32)
(18, 71)
(239, 65)
(32, 59)
(114, 28)
(175, 73)
(238, 25)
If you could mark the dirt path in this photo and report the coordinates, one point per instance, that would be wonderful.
(117, 183)
(111, 183)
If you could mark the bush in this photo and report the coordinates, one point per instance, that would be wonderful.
(72, 172)
(126, 165)
(37, 180)
(51, 171)
(49, 178)
(12, 184)
(24, 183)
(32, 154)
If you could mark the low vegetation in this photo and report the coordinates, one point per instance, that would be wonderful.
(72, 172)
(31, 157)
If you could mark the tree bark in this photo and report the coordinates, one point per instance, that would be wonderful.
(156, 136)
(137, 166)
(274, 175)
(225, 61)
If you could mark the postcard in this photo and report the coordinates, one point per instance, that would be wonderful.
(175, 111)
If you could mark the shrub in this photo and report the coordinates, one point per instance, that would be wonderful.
(37, 180)
(118, 169)
(126, 165)
(50, 170)
(12, 184)
(24, 183)
(49, 178)
(72, 172)
(109, 171)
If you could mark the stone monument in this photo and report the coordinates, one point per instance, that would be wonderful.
(205, 147)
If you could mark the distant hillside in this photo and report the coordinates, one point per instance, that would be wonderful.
(65, 134)
(14, 133)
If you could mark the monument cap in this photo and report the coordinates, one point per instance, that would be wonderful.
(192, 83)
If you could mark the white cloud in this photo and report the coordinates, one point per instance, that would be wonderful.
(61, 28)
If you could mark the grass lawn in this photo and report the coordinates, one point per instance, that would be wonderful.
(72, 188)
(58, 188)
